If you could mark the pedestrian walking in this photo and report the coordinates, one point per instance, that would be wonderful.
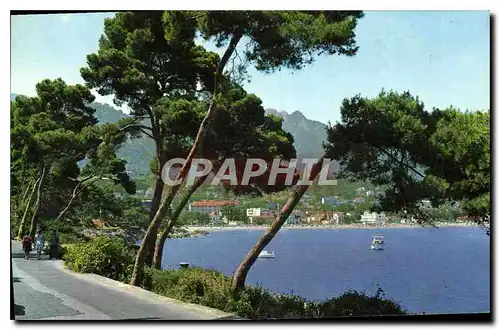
(27, 246)
(39, 243)
(54, 245)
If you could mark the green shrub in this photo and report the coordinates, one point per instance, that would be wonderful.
(71, 238)
(195, 285)
(354, 303)
(106, 256)
(213, 289)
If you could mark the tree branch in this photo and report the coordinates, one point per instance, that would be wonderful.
(411, 168)
(132, 124)
(146, 133)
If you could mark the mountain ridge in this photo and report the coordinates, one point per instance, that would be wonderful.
(308, 136)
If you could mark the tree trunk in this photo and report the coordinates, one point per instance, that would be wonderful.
(27, 189)
(140, 259)
(173, 221)
(151, 234)
(155, 203)
(78, 189)
(243, 269)
(23, 220)
(37, 203)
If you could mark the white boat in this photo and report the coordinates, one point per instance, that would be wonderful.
(378, 243)
(266, 254)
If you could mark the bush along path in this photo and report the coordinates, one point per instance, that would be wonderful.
(112, 258)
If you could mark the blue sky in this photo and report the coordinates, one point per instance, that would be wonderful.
(441, 56)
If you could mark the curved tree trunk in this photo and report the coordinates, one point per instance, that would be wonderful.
(140, 259)
(173, 221)
(241, 273)
(37, 203)
(76, 192)
(151, 234)
(155, 203)
(23, 220)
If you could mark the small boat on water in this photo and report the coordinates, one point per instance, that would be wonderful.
(266, 254)
(378, 242)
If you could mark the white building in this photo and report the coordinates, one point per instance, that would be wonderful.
(254, 212)
(373, 218)
(329, 200)
(260, 214)
(361, 190)
(337, 217)
(425, 204)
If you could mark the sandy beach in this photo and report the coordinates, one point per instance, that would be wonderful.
(345, 226)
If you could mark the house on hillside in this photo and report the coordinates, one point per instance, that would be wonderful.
(263, 219)
(425, 204)
(373, 218)
(208, 206)
(338, 217)
(359, 200)
(215, 218)
(330, 200)
(146, 204)
(320, 217)
(360, 190)
(272, 206)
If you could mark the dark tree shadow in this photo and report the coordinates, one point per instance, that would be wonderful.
(19, 310)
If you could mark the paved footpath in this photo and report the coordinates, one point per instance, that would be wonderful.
(49, 291)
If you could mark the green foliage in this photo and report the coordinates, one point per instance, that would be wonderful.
(106, 256)
(213, 289)
(353, 304)
(414, 154)
(71, 238)
(193, 218)
(289, 39)
(56, 131)
(234, 213)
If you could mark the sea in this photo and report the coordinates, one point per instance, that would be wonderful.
(431, 270)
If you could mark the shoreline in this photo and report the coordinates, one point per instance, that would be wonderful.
(345, 226)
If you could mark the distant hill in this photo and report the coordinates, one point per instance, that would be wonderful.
(138, 152)
(308, 135)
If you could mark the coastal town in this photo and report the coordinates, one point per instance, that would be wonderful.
(356, 212)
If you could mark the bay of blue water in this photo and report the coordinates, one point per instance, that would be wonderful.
(435, 270)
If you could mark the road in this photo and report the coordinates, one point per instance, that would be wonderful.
(46, 290)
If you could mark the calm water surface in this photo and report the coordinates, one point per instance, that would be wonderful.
(436, 270)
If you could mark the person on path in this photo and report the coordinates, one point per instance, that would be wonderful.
(54, 245)
(27, 245)
(39, 243)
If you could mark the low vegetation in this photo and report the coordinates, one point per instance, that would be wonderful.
(106, 256)
(111, 257)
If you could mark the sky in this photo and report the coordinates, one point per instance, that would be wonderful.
(441, 56)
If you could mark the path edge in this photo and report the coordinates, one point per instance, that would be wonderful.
(208, 313)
